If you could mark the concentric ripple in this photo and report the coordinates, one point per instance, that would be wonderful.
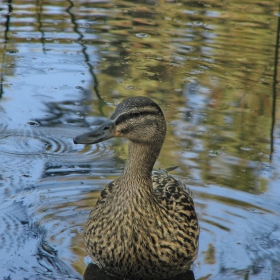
(33, 142)
(41, 152)
(40, 141)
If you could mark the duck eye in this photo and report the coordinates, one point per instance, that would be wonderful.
(106, 128)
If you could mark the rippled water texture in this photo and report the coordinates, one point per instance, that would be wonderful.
(213, 68)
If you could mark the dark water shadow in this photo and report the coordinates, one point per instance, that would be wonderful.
(275, 88)
(86, 55)
(93, 272)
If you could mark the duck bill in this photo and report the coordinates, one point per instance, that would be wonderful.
(99, 134)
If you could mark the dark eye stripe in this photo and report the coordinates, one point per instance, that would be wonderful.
(134, 114)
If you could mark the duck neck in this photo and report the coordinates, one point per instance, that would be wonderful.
(135, 186)
(141, 159)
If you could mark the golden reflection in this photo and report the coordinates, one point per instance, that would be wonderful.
(210, 255)
(159, 49)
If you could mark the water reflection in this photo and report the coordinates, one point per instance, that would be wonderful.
(212, 66)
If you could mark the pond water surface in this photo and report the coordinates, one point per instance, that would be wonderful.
(213, 68)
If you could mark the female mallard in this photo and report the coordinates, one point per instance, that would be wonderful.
(144, 225)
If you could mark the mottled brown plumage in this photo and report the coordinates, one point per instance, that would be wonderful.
(144, 225)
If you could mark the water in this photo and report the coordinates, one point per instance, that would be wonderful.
(212, 67)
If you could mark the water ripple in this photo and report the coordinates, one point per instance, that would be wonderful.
(39, 141)
(26, 246)
(40, 152)
(33, 143)
(4, 121)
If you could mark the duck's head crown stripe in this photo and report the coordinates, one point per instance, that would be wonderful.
(131, 109)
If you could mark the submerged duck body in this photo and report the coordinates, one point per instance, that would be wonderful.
(144, 225)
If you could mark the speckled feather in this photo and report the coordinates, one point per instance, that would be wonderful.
(144, 244)
(144, 225)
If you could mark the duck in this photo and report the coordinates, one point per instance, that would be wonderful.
(144, 224)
